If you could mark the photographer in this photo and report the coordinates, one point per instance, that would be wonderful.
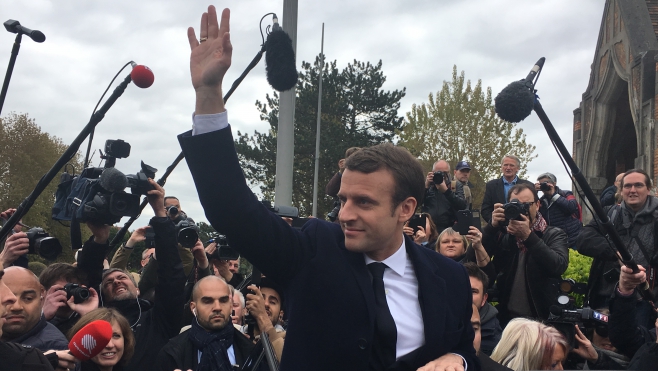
(152, 323)
(265, 306)
(497, 190)
(461, 185)
(16, 246)
(529, 255)
(122, 255)
(440, 201)
(635, 221)
(559, 207)
(67, 296)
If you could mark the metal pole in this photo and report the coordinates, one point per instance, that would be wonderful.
(317, 134)
(285, 142)
(10, 69)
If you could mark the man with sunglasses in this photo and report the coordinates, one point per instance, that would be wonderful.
(634, 220)
(529, 254)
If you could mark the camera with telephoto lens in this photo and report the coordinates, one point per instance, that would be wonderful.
(187, 232)
(514, 209)
(544, 186)
(223, 250)
(41, 243)
(80, 294)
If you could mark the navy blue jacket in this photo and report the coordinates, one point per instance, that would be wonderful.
(329, 298)
(563, 213)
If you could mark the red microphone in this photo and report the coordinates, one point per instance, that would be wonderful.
(141, 75)
(90, 340)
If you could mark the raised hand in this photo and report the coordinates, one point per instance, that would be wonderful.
(210, 59)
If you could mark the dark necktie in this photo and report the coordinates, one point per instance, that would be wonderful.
(383, 347)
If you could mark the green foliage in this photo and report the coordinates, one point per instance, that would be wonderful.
(26, 154)
(356, 112)
(578, 270)
(460, 123)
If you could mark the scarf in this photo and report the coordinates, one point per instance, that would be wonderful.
(538, 226)
(213, 346)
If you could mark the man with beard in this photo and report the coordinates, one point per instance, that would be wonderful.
(153, 323)
(212, 343)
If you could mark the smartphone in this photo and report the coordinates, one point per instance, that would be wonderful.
(417, 220)
(464, 220)
(150, 237)
(477, 221)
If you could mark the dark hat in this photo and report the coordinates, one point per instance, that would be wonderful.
(463, 165)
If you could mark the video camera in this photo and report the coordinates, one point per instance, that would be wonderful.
(223, 250)
(97, 194)
(564, 315)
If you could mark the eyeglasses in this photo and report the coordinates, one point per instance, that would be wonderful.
(636, 185)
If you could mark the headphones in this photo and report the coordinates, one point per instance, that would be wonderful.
(194, 312)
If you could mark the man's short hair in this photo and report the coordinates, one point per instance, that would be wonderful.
(240, 297)
(513, 157)
(549, 176)
(447, 163)
(350, 151)
(518, 188)
(61, 271)
(647, 178)
(406, 169)
(170, 197)
(474, 271)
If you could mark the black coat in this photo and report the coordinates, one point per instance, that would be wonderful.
(442, 207)
(180, 353)
(17, 357)
(153, 324)
(547, 259)
(328, 289)
(494, 193)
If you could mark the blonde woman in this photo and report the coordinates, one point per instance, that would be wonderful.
(530, 345)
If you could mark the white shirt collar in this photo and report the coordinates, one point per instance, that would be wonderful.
(397, 262)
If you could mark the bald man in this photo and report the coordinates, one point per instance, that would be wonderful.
(24, 323)
(212, 339)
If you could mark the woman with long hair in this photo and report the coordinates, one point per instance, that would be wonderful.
(121, 346)
(531, 345)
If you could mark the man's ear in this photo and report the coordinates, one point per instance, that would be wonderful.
(407, 209)
(193, 308)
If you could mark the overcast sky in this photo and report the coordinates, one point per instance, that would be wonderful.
(59, 81)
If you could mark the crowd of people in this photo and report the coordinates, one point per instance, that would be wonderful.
(370, 290)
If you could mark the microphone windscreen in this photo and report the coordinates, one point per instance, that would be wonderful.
(280, 61)
(113, 180)
(142, 76)
(37, 36)
(90, 340)
(515, 102)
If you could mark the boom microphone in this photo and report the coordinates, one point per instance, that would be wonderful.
(113, 180)
(14, 26)
(141, 75)
(516, 101)
(280, 59)
(90, 340)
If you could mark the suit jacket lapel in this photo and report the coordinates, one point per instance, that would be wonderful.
(358, 267)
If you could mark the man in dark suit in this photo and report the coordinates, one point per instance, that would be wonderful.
(409, 309)
(497, 189)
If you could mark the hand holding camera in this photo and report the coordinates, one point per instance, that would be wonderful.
(156, 198)
(200, 254)
(520, 228)
(547, 188)
(16, 245)
(498, 216)
(79, 298)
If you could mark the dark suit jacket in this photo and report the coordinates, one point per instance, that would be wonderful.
(494, 193)
(329, 296)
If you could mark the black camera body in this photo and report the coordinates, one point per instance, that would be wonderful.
(544, 187)
(187, 232)
(514, 209)
(79, 293)
(441, 177)
(41, 243)
(333, 214)
(223, 250)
